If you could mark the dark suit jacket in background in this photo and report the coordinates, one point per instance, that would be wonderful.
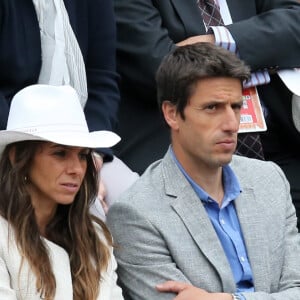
(93, 23)
(267, 34)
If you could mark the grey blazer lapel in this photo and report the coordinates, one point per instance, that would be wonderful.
(190, 15)
(192, 213)
(255, 238)
(239, 12)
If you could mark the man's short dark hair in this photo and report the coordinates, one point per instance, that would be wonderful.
(180, 71)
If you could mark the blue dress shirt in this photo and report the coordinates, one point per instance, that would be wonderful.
(227, 226)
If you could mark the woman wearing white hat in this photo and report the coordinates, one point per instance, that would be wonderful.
(51, 247)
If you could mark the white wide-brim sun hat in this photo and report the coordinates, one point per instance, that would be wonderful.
(51, 113)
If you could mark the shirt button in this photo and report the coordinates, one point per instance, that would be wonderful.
(242, 258)
(222, 221)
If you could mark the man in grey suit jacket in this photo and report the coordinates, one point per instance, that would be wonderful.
(202, 223)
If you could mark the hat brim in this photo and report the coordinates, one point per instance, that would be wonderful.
(95, 139)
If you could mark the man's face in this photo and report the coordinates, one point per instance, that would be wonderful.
(208, 135)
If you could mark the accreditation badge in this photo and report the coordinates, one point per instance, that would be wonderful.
(252, 117)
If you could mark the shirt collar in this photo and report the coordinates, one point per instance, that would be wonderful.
(231, 184)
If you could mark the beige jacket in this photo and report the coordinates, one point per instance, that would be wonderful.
(15, 286)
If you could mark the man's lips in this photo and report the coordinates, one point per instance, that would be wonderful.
(227, 141)
(227, 144)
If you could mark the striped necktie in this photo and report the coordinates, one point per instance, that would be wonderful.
(210, 13)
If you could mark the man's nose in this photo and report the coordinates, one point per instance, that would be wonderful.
(231, 120)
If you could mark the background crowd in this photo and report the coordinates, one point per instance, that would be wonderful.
(110, 51)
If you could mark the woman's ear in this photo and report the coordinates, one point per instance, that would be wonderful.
(12, 155)
(170, 114)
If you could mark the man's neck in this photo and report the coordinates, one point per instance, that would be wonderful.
(208, 178)
(211, 183)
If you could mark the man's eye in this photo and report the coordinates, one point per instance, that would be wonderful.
(211, 107)
(237, 106)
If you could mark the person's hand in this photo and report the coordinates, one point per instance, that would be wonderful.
(102, 189)
(205, 38)
(187, 291)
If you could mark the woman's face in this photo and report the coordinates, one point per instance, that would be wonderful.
(56, 175)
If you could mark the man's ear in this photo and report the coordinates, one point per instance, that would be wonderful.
(12, 155)
(170, 114)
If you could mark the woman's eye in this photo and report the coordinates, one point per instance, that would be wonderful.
(60, 153)
(83, 156)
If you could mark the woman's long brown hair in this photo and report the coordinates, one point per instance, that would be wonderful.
(72, 227)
